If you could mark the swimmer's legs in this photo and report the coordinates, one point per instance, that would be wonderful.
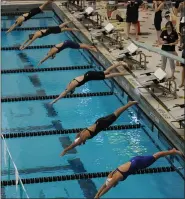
(107, 71)
(120, 110)
(87, 47)
(165, 153)
(64, 24)
(45, 4)
(114, 75)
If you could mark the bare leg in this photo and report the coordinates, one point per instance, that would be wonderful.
(120, 110)
(114, 75)
(165, 153)
(69, 29)
(158, 37)
(87, 47)
(45, 4)
(64, 24)
(107, 71)
(136, 30)
(128, 29)
(183, 78)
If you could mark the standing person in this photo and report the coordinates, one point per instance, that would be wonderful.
(129, 168)
(158, 7)
(26, 16)
(132, 15)
(89, 76)
(181, 9)
(183, 69)
(100, 125)
(183, 56)
(168, 18)
(45, 32)
(169, 38)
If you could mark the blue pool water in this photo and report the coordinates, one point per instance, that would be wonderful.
(39, 156)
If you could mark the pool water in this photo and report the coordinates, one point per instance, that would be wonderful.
(39, 156)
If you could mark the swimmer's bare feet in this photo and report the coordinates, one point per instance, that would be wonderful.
(175, 151)
(93, 48)
(132, 102)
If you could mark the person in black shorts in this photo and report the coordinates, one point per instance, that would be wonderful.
(132, 15)
(26, 16)
(158, 6)
(62, 46)
(100, 125)
(45, 32)
(89, 76)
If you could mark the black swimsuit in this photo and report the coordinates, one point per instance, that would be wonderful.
(102, 123)
(91, 75)
(51, 30)
(32, 13)
(68, 44)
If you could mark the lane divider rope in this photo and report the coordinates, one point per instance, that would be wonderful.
(31, 98)
(32, 70)
(83, 176)
(28, 28)
(29, 47)
(11, 13)
(66, 131)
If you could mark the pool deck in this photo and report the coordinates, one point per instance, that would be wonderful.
(159, 115)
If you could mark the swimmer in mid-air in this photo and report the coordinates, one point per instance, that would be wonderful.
(26, 16)
(89, 76)
(45, 32)
(136, 163)
(100, 124)
(66, 44)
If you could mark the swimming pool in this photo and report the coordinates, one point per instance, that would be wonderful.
(39, 156)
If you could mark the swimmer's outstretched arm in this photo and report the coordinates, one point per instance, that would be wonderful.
(100, 190)
(29, 41)
(22, 46)
(47, 57)
(63, 94)
(12, 27)
(72, 146)
(105, 189)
